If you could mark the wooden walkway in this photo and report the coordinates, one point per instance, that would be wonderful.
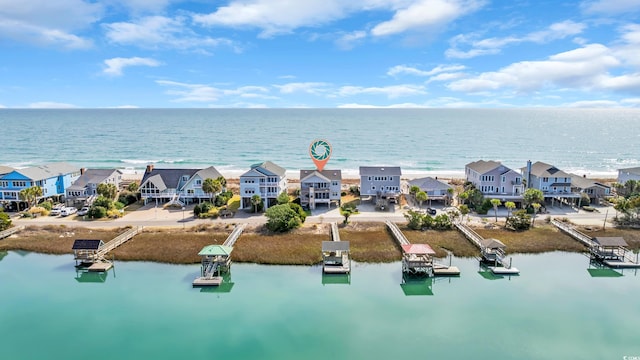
(335, 254)
(335, 234)
(9, 232)
(436, 269)
(488, 252)
(571, 231)
(235, 234)
(117, 241)
(470, 234)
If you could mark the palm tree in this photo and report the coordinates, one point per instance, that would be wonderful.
(450, 196)
(30, 195)
(211, 186)
(421, 196)
(495, 203)
(463, 196)
(536, 207)
(510, 205)
(255, 201)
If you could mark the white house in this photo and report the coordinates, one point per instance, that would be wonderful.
(628, 174)
(267, 180)
(87, 184)
(320, 187)
(435, 189)
(179, 186)
(494, 180)
(381, 182)
(553, 182)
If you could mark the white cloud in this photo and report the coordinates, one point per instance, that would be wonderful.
(585, 68)
(159, 31)
(404, 69)
(592, 104)
(303, 87)
(116, 65)
(143, 6)
(394, 91)
(369, 106)
(631, 101)
(425, 14)
(610, 7)
(50, 105)
(491, 46)
(48, 23)
(446, 77)
(348, 41)
(191, 92)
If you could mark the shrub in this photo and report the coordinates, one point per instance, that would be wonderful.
(299, 210)
(222, 198)
(354, 190)
(47, 205)
(5, 221)
(38, 210)
(97, 212)
(118, 205)
(104, 202)
(133, 187)
(282, 218)
(127, 197)
(519, 221)
(114, 213)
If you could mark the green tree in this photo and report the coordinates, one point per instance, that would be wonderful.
(347, 211)
(414, 219)
(413, 190)
(255, 201)
(5, 221)
(519, 221)
(495, 203)
(107, 190)
(510, 205)
(531, 196)
(464, 210)
(283, 198)
(462, 197)
(282, 218)
(222, 181)
(450, 192)
(133, 187)
(421, 197)
(30, 195)
(211, 187)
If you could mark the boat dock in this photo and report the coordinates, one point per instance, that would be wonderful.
(610, 251)
(418, 258)
(91, 253)
(216, 260)
(9, 232)
(492, 251)
(335, 254)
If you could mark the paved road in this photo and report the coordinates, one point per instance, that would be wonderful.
(159, 217)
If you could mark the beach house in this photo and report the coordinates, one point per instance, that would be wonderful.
(627, 174)
(320, 187)
(176, 186)
(267, 180)
(495, 180)
(86, 186)
(52, 178)
(553, 182)
(380, 182)
(594, 189)
(435, 189)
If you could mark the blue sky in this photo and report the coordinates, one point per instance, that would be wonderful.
(319, 53)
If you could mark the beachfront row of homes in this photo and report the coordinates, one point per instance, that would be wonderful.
(62, 181)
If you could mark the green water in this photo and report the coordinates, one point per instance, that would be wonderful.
(556, 309)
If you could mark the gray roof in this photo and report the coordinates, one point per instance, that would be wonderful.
(541, 169)
(92, 176)
(5, 169)
(380, 170)
(429, 183)
(170, 178)
(267, 168)
(483, 166)
(335, 246)
(610, 241)
(208, 173)
(329, 174)
(585, 183)
(48, 171)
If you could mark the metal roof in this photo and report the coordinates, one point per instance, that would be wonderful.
(87, 244)
(418, 249)
(585, 183)
(610, 241)
(493, 244)
(335, 246)
(541, 169)
(380, 170)
(216, 250)
(48, 171)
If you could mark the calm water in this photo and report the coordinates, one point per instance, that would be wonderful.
(556, 309)
(594, 141)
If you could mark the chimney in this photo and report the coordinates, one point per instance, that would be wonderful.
(82, 170)
(149, 168)
(584, 176)
(528, 174)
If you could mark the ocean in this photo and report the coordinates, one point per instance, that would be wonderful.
(594, 142)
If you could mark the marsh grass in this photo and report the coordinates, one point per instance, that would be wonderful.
(631, 236)
(542, 238)
(370, 242)
(54, 239)
(443, 242)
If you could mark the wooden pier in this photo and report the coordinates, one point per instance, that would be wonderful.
(9, 232)
(492, 251)
(610, 251)
(418, 258)
(90, 253)
(335, 254)
(216, 260)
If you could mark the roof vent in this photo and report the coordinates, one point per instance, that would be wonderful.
(381, 169)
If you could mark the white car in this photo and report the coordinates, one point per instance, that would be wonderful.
(56, 210)
(84, 211)
(68, 211)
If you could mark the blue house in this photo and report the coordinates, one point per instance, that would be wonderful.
(52, 178)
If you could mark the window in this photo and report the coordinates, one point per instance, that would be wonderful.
(545, 179)
(369, 178)
(185, 177)
(190, 191)
(503, 179)
(197, 183)
(373, 187)
(335, 183)
(19, 183)
(4, 183)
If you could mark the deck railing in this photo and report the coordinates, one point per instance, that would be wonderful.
(117, 241)
(10, 232)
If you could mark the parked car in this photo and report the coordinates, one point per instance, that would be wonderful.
(84, 211)
(431, 211)
(68, 211)
(56, 210)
